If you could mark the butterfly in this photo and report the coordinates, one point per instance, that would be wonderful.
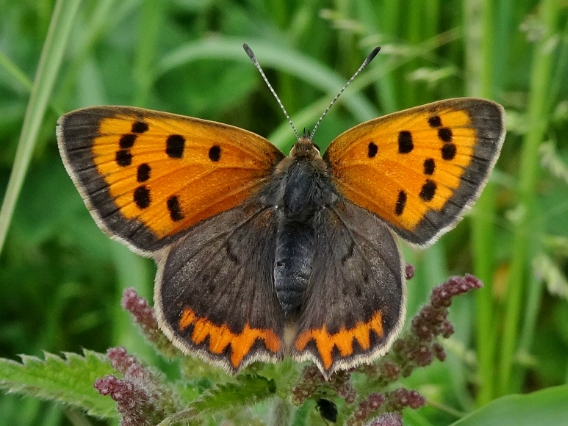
(262, 255)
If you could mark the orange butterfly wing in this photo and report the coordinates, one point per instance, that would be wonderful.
(418, 169)
(147, 175)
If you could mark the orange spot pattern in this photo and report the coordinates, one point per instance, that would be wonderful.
(220, 337)
(343, 339)
(203, 187)
(374, 183)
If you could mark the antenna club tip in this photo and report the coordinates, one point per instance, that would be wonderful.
(248, 50)
(373, 54)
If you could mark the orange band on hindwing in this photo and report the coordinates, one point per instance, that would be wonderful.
(220, 337)
(343, 339)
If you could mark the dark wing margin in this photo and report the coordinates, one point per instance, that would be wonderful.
(214, 289)
(138, 170)
(355, 304)
(488, 120)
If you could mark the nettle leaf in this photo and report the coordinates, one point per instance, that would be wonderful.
(248, 390)
(67, 380)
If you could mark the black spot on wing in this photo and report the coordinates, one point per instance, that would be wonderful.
(429, 166)
(143, 173)
(142, 197)
(435, 121)
(139, 127)
(400, 203)
(127, 140)
(405, 144)
(373, 149)
(428, 190)
(449, 151)
(215, 153)
(174, 208)
(123, 157)
(175, 145)
(445, 134)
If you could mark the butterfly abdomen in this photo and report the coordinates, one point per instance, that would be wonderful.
(293, 263)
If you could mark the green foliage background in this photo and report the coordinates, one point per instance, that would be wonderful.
(61, 278)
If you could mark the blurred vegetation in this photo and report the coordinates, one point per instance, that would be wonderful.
(61, 278)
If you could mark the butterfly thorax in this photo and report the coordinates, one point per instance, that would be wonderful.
(304, 190)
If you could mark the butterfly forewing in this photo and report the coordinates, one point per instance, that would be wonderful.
(147, 175)
(419, 168)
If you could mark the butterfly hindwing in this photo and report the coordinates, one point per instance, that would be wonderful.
(138, 170)
(355, 303)
(419, 168)
(214, 292)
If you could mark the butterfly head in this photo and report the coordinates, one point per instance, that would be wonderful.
(305, 148)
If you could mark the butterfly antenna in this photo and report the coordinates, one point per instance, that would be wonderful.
(257, 65)
(366, 62)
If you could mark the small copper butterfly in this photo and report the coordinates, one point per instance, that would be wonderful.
(261, 255)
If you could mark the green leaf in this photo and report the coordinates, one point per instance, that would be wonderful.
(247, 391)
(67, 380)
(546, 407)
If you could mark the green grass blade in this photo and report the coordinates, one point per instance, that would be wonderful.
(479, 82)
(47, 71)
(13, 70)
(537, 112)
(143, 72)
